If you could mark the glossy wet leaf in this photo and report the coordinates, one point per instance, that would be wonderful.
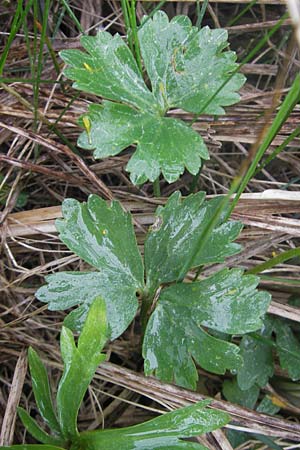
(80, 364)
(36, 431)
(185, 66)
(41, 390)
(102, 236)
(227, 302)
(258, 364)
(108, 69)
(288, 349)
(176, 232)
(164, 431)
(164, 145)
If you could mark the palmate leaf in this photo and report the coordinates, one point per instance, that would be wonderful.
(185, 67)
(176, 232)
(165, 431)
(103, 236)
(227, 302)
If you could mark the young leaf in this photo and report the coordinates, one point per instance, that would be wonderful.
(185, 66)
(80, 364)
(41, 389)
(103, 236)
(36, 431)
(176, 232)
(227, 302)
(164, 431)
(258, 364)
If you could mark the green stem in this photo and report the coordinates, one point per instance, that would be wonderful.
(284, 256)
(156, 188)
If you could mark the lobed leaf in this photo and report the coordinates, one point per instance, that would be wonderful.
(103, 236)
(227, 302)
(108, 69)
(164, 431)
(114, 127)
(186, 66)
(80, 363)
(173, 341)
(175, 233)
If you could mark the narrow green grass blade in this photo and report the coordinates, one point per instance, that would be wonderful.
(278, 150)
(279, 259)
(18, 20)
(72, 15)
(285, 110)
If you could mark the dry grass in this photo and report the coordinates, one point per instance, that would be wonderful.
(35, 160)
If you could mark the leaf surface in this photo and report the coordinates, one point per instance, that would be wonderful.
(258, 364)
(108, 69)
(34, 429)
(288, 348)
(41, 389)
(187, 66)
(227, 302)
(164, 431)
(176, 232)
(80, 363)
(102, 236)
(163, 144)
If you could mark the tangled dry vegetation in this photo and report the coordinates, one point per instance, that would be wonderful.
(40, 167)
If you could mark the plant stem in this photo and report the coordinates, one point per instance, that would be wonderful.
(156, 188)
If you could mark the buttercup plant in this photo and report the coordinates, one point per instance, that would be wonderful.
(80, 363)
(178, 317)
(186, 68)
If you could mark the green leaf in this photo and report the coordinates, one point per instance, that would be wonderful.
(172, 340)
(41, 390)
(234, 394)
(80, 364)
(164, 431)
(36, 431)
(186, 66)
(227, 302)
(103, 236)
(258, 364)
(114, 127)
(288, 348)
(175, 233)
(108, 69)
(266, 406)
